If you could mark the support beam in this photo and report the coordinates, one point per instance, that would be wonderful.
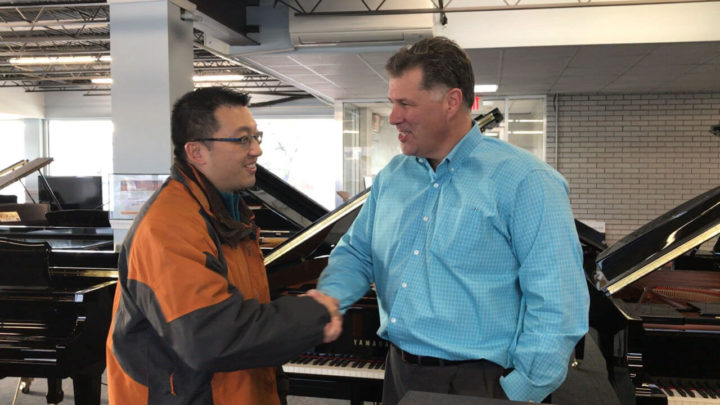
(152, 53)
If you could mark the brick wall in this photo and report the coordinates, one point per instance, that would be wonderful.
(630, 158)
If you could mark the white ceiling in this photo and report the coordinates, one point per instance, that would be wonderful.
(605, 69)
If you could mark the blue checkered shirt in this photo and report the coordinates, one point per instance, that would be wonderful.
(476, 259)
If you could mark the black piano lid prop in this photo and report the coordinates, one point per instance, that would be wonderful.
(658, 242)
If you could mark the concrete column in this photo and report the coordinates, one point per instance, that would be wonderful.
(152, 54)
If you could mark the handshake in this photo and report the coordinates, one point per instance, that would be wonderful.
(333, 328)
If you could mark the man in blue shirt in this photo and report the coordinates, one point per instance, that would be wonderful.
(471, 245)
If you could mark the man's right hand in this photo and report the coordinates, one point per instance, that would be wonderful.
(333, 328)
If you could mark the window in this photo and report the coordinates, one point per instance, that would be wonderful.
(12, 137)
(81, 148)
(523, 124)
(369, 143)
(305, 153)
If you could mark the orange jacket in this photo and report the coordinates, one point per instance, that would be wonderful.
(192, 318)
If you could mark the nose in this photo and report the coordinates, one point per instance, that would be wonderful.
(255, 149)
(395, 116)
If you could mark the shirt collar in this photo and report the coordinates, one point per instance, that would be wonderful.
(231, 200)
(463, 149)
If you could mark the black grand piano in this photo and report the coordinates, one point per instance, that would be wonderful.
(55, 308)
(352, 367)
(663, 284)
(56, 291)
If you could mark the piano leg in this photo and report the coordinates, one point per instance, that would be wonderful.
(55, 393)
(25, 383)
(87, 389)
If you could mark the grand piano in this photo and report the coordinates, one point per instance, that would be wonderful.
(56, 291)
(663, 285)
(352, 367)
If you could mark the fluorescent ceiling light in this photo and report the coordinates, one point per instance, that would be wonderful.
(527, 132)
(217, 78)
(486, 88)
(49, 60)
(101, 80)
(526, 120)
(203, 81)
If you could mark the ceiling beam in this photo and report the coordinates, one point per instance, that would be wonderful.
(4, 39)
(13, 26)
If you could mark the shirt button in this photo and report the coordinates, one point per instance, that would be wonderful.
(404, 285)
(436, 185)
(416, 252)
(393, 320)
(425, 219)
(452, 169)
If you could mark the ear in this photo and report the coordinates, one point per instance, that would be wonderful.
(195, 153)
(454, 102)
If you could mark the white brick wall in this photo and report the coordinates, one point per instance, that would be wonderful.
(630, 158)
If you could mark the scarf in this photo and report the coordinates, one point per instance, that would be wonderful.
(230, 231)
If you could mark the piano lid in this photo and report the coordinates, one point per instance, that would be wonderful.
(286, 200)
(307, 241)
(658, 242)
(21, 169)
(590, 237)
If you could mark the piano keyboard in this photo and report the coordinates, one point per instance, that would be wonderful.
(687, 391)
(336, 365)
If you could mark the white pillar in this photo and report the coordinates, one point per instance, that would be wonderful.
(152, 55)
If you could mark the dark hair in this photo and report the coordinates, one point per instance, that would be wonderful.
(442, 62)
(193, 115)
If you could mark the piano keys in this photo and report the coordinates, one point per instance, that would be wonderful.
(337, 365)
(684, 391)
(665, 292)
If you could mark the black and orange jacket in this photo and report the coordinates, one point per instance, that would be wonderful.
(192, 318)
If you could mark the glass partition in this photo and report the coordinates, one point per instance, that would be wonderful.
(369, 141)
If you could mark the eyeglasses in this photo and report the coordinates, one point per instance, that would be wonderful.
(243, 141)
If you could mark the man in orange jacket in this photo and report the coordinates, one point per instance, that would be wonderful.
(192, 319)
